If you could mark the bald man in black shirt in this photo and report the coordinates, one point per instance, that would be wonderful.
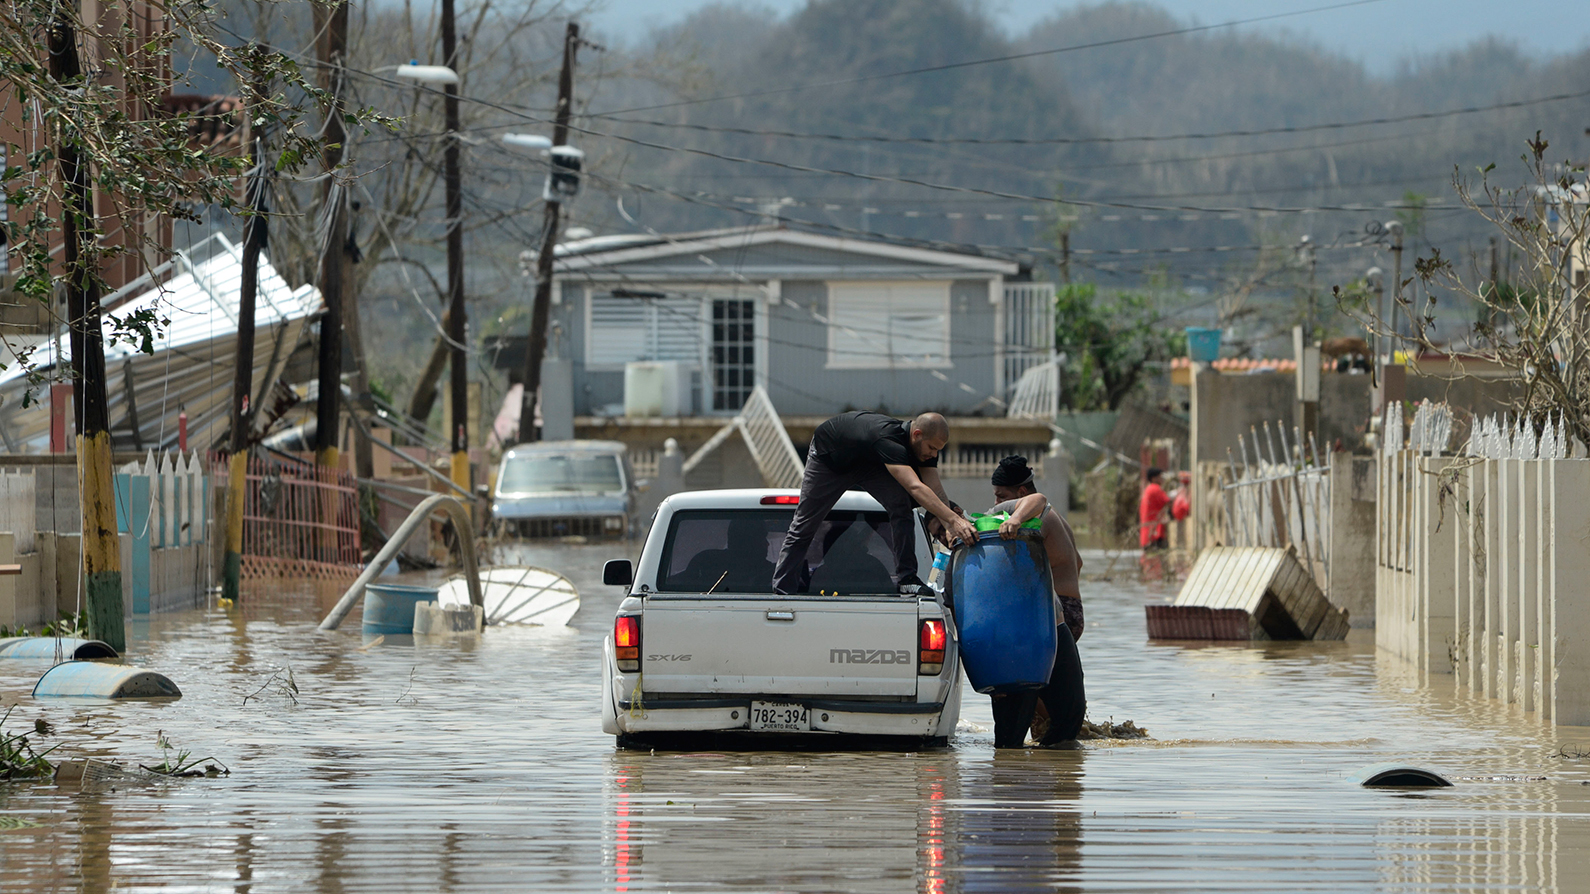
(894, 462)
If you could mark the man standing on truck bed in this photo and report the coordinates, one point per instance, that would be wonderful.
(1064, 697)
(894, 462)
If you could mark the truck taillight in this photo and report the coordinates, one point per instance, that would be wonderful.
(626, 642)
(930, 647)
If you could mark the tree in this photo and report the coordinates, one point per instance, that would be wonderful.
(1109, 341)
(1538, 326)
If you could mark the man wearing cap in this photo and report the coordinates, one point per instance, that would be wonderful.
(1064, 697)
(897, 464)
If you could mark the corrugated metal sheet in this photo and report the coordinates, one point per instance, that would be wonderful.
(1269, 585)
(193, 361)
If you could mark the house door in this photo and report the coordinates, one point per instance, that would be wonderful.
(733, 357)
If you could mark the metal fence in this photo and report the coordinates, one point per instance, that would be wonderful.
(299, 519)
(1277, 494)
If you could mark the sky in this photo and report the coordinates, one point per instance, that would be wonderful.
(1379, 33)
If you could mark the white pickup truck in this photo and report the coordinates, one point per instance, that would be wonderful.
(701, 645)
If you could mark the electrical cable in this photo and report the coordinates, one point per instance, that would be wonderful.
(1011, 57)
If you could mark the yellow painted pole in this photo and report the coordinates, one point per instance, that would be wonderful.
(236, 482)
(101, 545)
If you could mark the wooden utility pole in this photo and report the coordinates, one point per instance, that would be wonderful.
(254, 239)
(535, 348)
(456, 329)
(332, 24)
(95, 478)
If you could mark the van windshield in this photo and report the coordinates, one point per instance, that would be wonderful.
(552, 473)
(732, 551)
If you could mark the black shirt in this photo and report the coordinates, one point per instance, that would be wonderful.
(858, 439)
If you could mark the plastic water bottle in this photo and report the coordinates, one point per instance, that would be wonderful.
(941, 566)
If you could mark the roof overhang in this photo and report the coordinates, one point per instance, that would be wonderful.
(695, 244)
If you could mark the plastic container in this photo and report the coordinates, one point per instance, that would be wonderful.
(90, 679)
(941, 566)
(1003, 599)
(389, 608)
(1203, 345)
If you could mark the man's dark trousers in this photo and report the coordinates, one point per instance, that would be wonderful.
(821, 488)
(1064, 697)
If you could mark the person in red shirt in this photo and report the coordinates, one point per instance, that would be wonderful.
(1152, 513)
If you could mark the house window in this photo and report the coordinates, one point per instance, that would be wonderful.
(630, 327)
(733, 367)
(877, 325)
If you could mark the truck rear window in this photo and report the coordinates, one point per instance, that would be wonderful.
(732, 551)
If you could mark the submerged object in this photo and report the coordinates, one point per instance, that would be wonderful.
(89, 679)
(1270, 585)
(389, 608)
(1394, 775)
(1002, 595)
(518, 594)
(44, 647)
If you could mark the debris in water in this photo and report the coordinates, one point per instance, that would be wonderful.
(16, 822)
(1109, 729)
(18, 760)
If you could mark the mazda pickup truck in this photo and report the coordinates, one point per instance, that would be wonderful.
(701, 644)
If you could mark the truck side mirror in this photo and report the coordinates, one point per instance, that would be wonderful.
(618, 573)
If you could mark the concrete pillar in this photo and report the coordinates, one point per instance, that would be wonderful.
(1057, 477)
(1570, 568)
(1352, 538)
(557, 399)
(1526, 649)
(1433, 574)
(1490, 635)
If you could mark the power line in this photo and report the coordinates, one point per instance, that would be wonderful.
(1011, 57)
(1071, 141)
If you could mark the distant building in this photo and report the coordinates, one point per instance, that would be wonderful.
(823, 323)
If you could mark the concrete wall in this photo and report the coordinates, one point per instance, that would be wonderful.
(1480, 571)
(1352, 538)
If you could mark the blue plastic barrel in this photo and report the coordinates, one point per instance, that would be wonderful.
(389, 608)
(90, 679)
(1003, 598)
(44, 647)
(1203, 345)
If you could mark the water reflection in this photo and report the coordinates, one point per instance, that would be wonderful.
(1014, 827)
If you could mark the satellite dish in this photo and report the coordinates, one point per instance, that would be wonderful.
(518, 594)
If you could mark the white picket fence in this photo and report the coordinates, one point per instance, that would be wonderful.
(177, 492)
(1482, 559)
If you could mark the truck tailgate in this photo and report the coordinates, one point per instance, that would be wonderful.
(780, 645)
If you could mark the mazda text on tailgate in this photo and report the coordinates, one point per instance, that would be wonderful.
(701, 645)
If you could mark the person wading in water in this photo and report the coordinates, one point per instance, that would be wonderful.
(894, 462)
(1063, 698)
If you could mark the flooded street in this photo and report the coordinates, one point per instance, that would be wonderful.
(481, 766)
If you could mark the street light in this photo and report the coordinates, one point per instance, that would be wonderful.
(428, 74)
(527, 141)
(457, 329)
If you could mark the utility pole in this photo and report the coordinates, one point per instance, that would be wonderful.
(535, 347)
(1065, 257)
(1395, 229)
(101, 545)
(456, 329)
(255, 235)
(332, 24)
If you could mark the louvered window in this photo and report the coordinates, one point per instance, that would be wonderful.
(625, 328)
(876, 325)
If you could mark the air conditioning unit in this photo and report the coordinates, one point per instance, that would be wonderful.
(657, 388)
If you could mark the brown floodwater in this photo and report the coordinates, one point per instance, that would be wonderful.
(481, 766)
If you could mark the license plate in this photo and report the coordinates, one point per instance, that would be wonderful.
(780, 717)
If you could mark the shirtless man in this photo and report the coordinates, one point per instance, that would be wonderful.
(1063, 697)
